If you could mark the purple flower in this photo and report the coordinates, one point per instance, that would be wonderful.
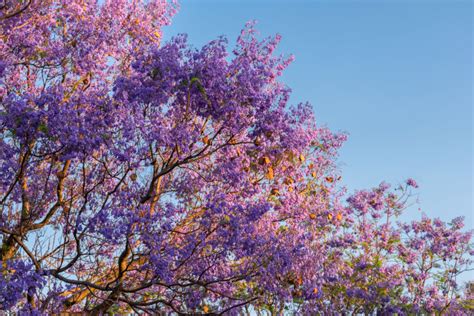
(412, 183)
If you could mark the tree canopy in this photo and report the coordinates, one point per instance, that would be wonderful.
(140, 176)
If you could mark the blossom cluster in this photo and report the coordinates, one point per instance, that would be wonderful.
(144, 177)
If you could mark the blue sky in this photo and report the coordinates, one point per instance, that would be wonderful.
(396, 75)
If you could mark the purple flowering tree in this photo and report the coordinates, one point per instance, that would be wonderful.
(143, 177)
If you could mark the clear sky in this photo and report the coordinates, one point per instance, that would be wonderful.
(396, 75)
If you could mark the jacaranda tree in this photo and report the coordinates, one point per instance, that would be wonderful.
(146, 177)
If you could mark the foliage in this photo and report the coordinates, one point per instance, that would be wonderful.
(143, 177)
